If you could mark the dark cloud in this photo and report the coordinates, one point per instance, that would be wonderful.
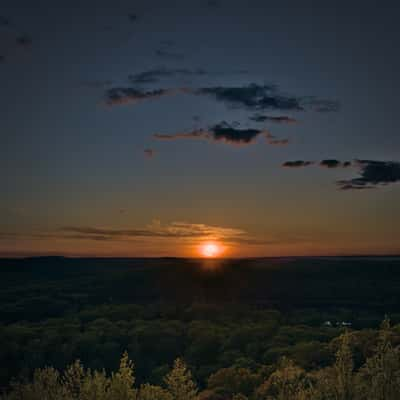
(149, 153)
(332, 163)
(229, 134)
(297, 164)
(124, 95)
(253, 96)
(328, 163)
(280, 119)
(225, 133)
(2, 59)
(262, 97)
(372, 174)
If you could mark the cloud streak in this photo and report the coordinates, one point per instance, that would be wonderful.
(157, 74)
(252, 97)
(223, 132)
(263, 97)
(174, 230)
(126, 95)
(281, 119)
(297, 164)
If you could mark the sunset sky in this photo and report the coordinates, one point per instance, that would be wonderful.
(149, 128)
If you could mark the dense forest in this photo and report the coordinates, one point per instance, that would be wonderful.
(377, 379)
(301, 328)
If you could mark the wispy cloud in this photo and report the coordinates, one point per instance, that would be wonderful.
(223, 132)
(263, 97)
(174, 230)
(280, 119)
(252, 97)
(156, 74)
(126, 95)
(198, 134)
(277, 142)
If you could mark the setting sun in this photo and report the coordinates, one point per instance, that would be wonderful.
(210, 249)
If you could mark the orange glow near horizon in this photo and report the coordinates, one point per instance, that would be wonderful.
(211, 250)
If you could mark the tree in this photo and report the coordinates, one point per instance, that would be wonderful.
(150, 392)
(73, 379)
(121, 382)
(179, 382)
(45, 385)
(239, 397)
(343, 370)
(288, 382)
(229, 381)
(95, 386)
(379, 378)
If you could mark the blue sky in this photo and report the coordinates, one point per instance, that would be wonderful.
(70, 160)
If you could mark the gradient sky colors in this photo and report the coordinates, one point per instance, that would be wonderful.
(147, 128)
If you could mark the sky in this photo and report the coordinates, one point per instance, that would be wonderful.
(150, 128)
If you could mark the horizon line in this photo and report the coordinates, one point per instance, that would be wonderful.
(60, 256)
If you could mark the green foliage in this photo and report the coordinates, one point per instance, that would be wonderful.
(121, 382)
(377, 379)
(150, 392)
(344, 378)
(228, 381)
(287, 382)
(239, 396)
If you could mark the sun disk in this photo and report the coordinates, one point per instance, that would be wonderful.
(210, 250)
